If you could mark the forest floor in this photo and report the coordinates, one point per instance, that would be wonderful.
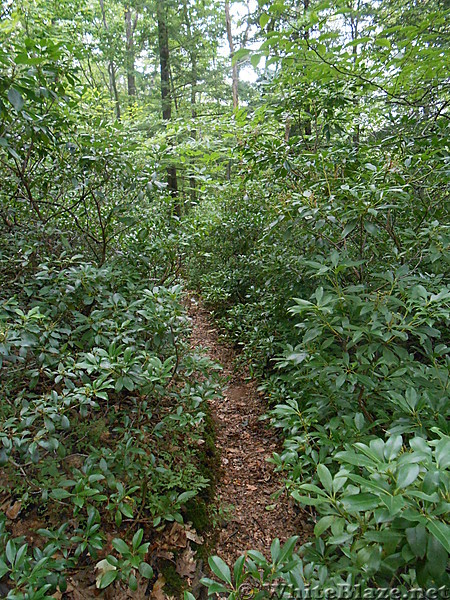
(247, 483)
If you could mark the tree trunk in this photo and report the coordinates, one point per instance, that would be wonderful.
(111, 69)
(163, 40)
(130, 27)
(308, 126)
(193, 57)
(166, 100)
(234, 71)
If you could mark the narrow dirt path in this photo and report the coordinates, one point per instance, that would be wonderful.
(245, 444)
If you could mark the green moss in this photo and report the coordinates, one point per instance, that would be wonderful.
(175, 584)
(197, 512)
(209, 458)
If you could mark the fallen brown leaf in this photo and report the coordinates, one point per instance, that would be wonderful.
(157, 591)
(192, 535)
(177, 536)
(13, 511)
(186, 563)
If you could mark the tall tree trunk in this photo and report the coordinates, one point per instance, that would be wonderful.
(234, 71)
(308, 127)
(354, 29)
(130, 27)
(111, 69)
(193, 56)
(163, 40)
(166, 100)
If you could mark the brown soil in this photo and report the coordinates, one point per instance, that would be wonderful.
(248, 481)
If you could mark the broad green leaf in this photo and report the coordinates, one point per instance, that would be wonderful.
(214, 587)
(255, 59)
(132, 582)
(288, 548)
(10, 552)
(15, 98)
(325, 477)
(275, 550)
(240, 54)
(393, 447)
(406, 475)
(437, 557)
(108, 578)
(220, 568)
(3, 568)
(264, 19)
(238, 569)
(323, 524)
(307, 500)
(441, 532)
(120, 546)
(417, 539)
(137, 538)
(442, 452)
(383, 42)
(360, 502)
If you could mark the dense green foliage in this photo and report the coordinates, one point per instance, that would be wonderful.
(313, 220)
(99, 386)
(328, 263)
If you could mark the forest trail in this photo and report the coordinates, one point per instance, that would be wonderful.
(247, 481)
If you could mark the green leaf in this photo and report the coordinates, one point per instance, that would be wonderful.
(120, 546)
(126, 510)
(417, 539)
(441, 531)
(353, 458)
(393, 447)
(186, 496)
(407, 474)
(10, 551)
(108, 578)
(393, 503)
(16, 99)
(275, 550)
(307, 500)
(431, 482)
(325, 477)
(132, 583)
(359, 421)
(238, 570)
(349, 228)
(255, 58)
(220, 569)
(385, 43)
(214, 587)
(288, 548)
(323, 524)
(442, 452)
(3, 568)
(360, 502)
(60, 494)
(437, 557)
(137, 538)
(264, 19)
(239, 55)
(311, 334)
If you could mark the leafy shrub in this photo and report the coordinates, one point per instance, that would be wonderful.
(331, 273)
